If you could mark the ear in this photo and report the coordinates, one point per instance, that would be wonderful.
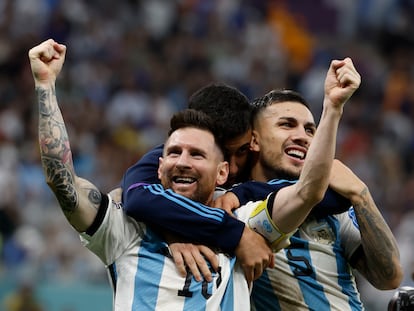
(160, 163)
(254, 143)
(222, 173)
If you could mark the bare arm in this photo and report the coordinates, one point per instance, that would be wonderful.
(78, 198)
(293, 204)
(379, 260)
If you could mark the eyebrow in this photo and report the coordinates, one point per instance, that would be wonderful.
(291, 119)
(191, 149)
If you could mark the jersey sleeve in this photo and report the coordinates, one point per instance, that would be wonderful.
(115, 231)
(145, 170)
(350, 234)
(332, 203)
(156, 206)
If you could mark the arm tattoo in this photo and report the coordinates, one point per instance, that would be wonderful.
(55, 151)
(95, 197)
(378, 243)
(60, 181)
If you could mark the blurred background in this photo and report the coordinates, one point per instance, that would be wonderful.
(131, 64)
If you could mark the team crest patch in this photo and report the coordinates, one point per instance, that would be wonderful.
(319, 231)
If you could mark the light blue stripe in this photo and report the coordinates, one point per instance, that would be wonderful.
(263, 295)
(228, 299)
(212, 213)
(197, 301)
(161, 190)
(149, 272)
(312, 290)
(281, 181)
(344, 274)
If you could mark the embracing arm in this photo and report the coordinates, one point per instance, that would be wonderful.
(191, 220)
(78, 198)
(145, 170)
(332, 202)
(378, 258)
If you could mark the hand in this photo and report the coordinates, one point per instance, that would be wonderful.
(46, 61)
(227, 202)
(342, 80)
(194, 257)
(254, 254)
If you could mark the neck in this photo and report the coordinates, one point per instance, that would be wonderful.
(257, 172)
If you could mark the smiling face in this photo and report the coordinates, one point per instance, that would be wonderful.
(192, 164)
(281, 137)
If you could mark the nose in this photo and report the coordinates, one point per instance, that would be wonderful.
(183, 160)
(301, 136)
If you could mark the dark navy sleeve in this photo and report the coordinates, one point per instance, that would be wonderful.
(165, 209)
(144, 171)
(332, 203)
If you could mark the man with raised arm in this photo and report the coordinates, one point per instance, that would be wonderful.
(143, 274)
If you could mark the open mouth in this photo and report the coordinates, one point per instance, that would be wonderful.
(184, 180)
(298, 154)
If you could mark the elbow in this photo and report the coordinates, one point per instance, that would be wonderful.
(395, 282)
(391, 282)
(312, 198)
(312, 192)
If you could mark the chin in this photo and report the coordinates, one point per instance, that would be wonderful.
(287, 174)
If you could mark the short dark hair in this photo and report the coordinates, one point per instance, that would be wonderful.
(195, 119)
(229, 108)
(274, 97)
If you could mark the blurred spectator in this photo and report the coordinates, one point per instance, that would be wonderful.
(23, 299)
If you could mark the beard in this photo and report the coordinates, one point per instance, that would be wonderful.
(199, 194)
(278, 172)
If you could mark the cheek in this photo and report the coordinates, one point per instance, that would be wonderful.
(241, 161)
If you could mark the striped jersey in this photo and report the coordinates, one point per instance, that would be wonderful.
(144, 276)
(313, 273)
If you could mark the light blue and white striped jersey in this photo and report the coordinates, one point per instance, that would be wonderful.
(145, 277)
(313, 273)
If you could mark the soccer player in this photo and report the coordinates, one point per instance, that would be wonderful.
(316, 271)
(145, 278)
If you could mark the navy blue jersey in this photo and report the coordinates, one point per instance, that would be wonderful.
(144, 171)
(161, 208)
(332, 203)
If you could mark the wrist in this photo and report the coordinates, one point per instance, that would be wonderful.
(329, 107)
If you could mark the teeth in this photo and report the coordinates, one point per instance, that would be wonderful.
(188, 180)
(296, 153)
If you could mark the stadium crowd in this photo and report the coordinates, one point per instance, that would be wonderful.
(132, 64)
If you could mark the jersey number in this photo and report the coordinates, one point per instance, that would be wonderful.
(300, 264)
(185, 292)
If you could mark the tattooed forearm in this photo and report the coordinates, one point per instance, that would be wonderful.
(61, 181)
(55, 151)
(380, 248)
(53, 138)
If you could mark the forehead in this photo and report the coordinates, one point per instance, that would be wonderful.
(292, 110)
(191, 137)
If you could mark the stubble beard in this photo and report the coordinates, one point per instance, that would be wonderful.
(278, 171)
